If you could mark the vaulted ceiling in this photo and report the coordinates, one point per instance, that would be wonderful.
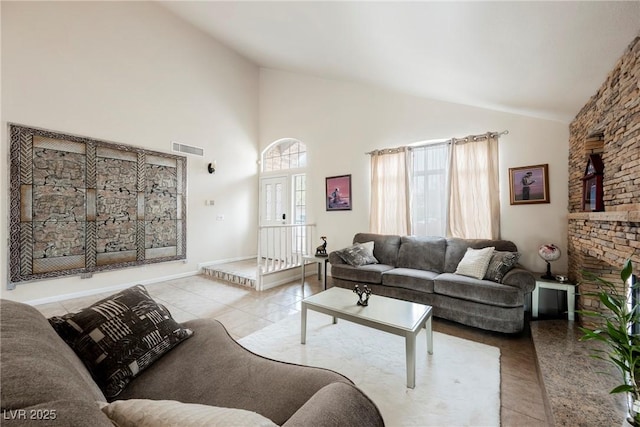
(543, 59)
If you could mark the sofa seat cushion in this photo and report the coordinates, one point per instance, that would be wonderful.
(482, 291)
(408, 278)
(422, 253)
(370, 273)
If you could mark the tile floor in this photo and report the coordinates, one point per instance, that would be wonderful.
(244, 311)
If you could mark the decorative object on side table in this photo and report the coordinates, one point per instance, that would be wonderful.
(616, 332)
(322, 249)
(549, 252)
(363, 295)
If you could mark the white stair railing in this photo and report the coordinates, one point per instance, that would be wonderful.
(281, 247)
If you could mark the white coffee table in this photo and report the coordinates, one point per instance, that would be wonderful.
(385, 314)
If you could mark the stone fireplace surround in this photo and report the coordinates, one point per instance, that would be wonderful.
(575, 391)
(600, 242)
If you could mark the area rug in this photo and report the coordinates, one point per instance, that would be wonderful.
(458, 385)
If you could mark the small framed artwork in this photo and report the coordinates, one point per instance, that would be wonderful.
(529, 184)
(338, 193)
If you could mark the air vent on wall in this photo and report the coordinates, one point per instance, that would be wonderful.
(187, 149)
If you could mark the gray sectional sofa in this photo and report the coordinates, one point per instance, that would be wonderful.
(44, 383)
(421, 269)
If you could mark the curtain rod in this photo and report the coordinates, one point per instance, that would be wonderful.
(479, 137)
(446, 141)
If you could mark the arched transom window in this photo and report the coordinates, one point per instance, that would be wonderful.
(287, 153)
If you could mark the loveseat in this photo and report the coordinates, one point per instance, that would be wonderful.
(44, 382)
(422, 269)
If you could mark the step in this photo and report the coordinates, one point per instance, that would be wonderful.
(241, 273)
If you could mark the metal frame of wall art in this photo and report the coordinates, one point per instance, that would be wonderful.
(80, 205)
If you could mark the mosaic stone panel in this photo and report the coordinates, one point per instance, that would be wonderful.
(80, 205)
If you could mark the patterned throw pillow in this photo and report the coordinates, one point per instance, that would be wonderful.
(500, 264)
(358, 254)
(120, 336)
(475, 262)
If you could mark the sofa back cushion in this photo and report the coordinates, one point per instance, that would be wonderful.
(37, 366)
(422, 253)
(385, 247)
(456, 248)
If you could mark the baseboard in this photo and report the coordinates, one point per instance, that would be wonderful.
(64, 297)
(270, 285)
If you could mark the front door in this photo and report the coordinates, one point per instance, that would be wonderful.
(274, 201)
(274, 210)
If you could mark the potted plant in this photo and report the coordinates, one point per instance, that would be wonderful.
(615, 331)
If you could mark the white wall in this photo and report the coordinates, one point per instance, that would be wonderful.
(132, 73)
(340, 121)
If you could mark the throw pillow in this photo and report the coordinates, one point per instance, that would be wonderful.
(368, 247)
(165, 413)
(120, 336)
(475, 262)
(500, 264)
(358, 254)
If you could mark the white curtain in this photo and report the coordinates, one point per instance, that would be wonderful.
(474, 205)
(390, 210)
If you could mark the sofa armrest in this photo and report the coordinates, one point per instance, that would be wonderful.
(211, 368)
(520, 278)
(337, 405)
(335, 259)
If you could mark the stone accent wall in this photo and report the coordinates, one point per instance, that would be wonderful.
(615, 112)
(601, 241)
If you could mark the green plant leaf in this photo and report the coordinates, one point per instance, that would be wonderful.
(593, 335)
(589, 313)
(609, 302)
(622, 348)
(623, 388)
(627, 270)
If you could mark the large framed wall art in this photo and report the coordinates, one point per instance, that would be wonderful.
(80, 205)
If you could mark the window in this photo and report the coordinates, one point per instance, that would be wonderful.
(299, 199)
(429, 190)
(453, 189)
(299, 209)
(285, 154)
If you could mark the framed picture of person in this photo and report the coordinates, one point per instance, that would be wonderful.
(338, 193)
(529, 184)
